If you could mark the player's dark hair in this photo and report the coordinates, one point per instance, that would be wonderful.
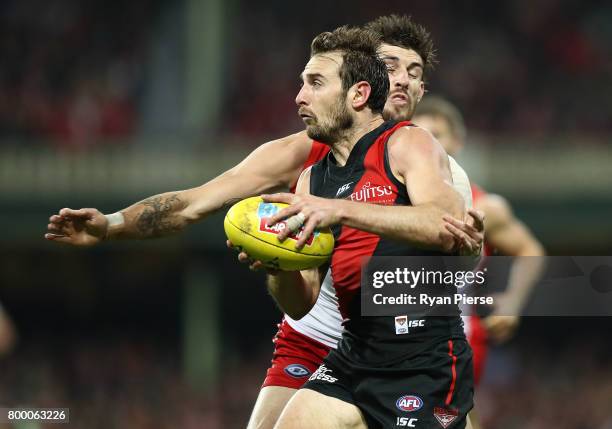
(400, 30)
(439, 107)
(360, 61)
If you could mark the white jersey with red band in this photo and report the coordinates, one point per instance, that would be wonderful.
(323, 323)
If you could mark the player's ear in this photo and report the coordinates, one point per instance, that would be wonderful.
(421, 91)
(360, 94)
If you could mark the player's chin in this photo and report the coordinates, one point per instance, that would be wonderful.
(394, 112)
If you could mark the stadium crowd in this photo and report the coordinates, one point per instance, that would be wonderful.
(74, 72)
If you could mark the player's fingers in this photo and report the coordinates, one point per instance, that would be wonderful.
(465, 227)
(255, 266)
(459, 235)
(53, 235)
(281, 197)
(58, 238)
(56, 229)
(478, 217)
(295, 222)
(306, 232)
(57, 219)
(471, 241)
(470, 244)
(66, 212)
(243, 257)
(283, 214)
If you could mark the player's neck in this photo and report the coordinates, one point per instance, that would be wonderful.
(343, 147)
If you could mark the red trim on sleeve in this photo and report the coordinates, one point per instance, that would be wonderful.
(317, 152)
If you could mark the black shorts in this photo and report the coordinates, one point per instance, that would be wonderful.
(433, 389)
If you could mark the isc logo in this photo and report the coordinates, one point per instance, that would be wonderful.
(406, 422)
(409, 403)
(416, 323)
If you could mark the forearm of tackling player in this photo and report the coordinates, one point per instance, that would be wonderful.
(273, 165)
(295, 292)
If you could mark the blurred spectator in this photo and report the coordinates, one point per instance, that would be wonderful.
(72, 70)
(69, 68)
(537, 67)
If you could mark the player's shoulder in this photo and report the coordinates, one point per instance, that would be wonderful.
(412, 141)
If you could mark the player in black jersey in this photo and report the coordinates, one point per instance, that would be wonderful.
(376, 378)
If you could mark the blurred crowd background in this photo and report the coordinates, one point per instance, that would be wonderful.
(81, 72)
(103, 103)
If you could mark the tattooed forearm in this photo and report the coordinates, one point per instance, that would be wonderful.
(158, 216)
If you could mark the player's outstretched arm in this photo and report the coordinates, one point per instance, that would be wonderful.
(421, 163)
(276, 164)
(510, 237)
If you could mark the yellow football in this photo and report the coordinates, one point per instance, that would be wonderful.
(246, 227)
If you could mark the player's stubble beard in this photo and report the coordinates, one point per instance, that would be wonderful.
(332, 129)
(392, 112)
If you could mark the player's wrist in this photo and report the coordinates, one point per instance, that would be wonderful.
(343, 211)
(115, 223)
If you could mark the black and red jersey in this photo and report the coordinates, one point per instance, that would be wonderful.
(367, 178)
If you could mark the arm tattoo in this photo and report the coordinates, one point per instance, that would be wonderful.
(156, 219)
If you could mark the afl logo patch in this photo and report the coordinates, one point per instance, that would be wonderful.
(296, 370)
(409, 403)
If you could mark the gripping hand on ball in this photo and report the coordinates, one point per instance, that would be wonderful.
(313, 212)
(254, 265)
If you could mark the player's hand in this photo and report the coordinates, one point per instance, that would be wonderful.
(500, 328)
(503, 322)
(254, 265)
(313, 212)
(468, 235)
(83, 227)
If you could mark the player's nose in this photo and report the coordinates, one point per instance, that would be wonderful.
(300, 98)
(399, 80)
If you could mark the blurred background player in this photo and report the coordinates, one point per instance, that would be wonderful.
(505, 234)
